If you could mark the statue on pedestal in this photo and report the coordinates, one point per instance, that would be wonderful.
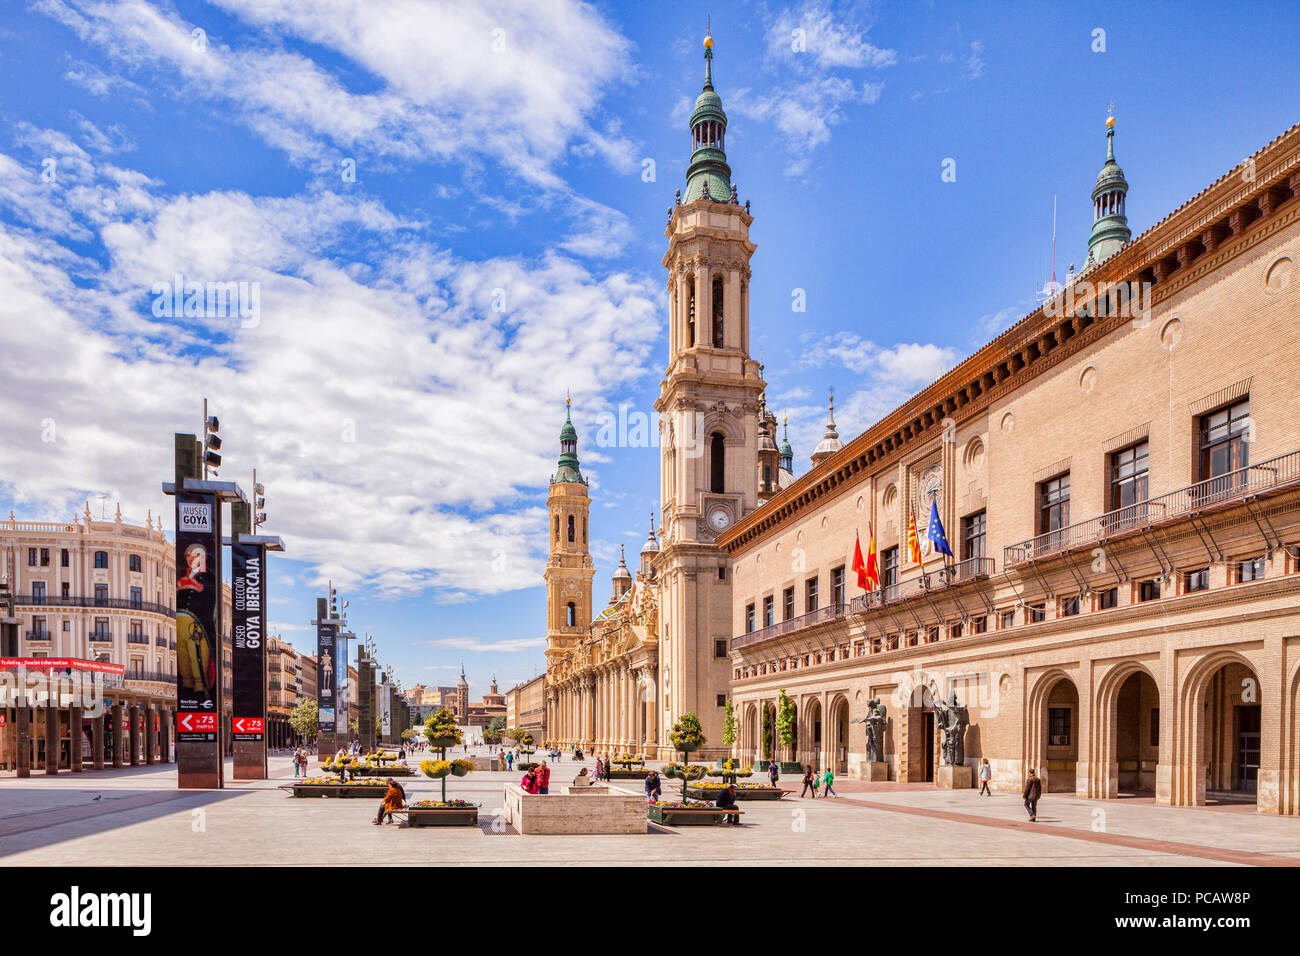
(952, 718)
(875, 721)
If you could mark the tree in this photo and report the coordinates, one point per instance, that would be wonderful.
(354, 729)
(787, 722)
(687, 736)
(408, 734)
(305, 719)
(768, 731)
(729, 738)
(494, 731)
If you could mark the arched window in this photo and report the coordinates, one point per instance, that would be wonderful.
(690, 312)
(717, 463)
(557, 528)
(571, 529)
(571, 619)
(101, 559)
(717, 313)
(584, 530)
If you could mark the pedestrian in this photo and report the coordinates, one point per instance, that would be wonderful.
(828, 780)
(772, 773)
(510, 761)
(529, 783)
(1033, 790)
(653, 788)
(544, 778)
(394, 799)
(986, 774)
(296, 754)
(727, 801)
(808, 781)
(600, 775)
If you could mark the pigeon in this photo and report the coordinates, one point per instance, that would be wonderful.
(98, 796)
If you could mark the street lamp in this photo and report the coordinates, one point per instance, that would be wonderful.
(211, 441)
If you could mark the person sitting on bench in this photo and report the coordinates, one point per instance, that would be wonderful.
(727, 801)
(394, 799)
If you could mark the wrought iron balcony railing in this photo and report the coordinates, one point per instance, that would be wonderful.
(123, 604)
(827, 613)
(940, 579)
(1218, 492)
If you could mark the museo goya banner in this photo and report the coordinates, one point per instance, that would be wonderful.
(248, 648)
(326, 635)
(198, 594)
(386, 713)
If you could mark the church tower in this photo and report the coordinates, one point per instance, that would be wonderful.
(569, 569)
(709, 407)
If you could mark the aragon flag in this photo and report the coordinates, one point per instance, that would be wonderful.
(913, 543)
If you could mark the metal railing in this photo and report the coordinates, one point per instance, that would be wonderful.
(162, 676)
(940, 579)
(101, 637)
(1220, 491)
(137, 638)
(812, 618)
(125, 604)
(39, 635)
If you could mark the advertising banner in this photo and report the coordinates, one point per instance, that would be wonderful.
(385, 710)
(198, 606)
(248, 645)
(326, 639)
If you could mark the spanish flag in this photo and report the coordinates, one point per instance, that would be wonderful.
(868, 576)
(913, 544)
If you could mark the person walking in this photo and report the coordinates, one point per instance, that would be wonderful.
(809, 782)
(510, 761)
(828, 781)
(1031, 794)
(600, 770)
(653, 788)
(986, 774)
(772, 773)
(296, 754)
(544, 778)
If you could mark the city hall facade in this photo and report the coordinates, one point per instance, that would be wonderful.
(1118, 477)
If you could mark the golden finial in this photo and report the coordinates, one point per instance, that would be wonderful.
(1110, 115)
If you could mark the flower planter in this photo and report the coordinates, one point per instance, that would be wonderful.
(337, 790)
(789, 766)
(679, 817)
(437, 742)
(628, 774)
(742, 793)
(382, 772)
(442, 817)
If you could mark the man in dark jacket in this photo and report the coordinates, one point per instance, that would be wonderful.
(1033, 790)
(727, 801)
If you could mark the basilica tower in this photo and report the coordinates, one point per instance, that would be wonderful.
(569, 569)
(709, 407)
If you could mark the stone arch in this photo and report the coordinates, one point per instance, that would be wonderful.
(1103, 779)
(1052, 761)
(1192, 730)
(812, 733)
(837, 734)
(1289, 748)
(749, 727)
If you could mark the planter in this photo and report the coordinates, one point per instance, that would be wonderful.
(524, 767)
(789, 766)
(382, 772)
(767, 793)
(628, 774)
(442, 817)
(337, 790)
(678, 817)
(437, 742)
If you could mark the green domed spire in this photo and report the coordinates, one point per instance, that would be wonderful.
(708, 176)
(785, 451)
(568, 470)
(1110, 231)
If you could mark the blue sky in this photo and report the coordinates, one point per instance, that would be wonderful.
(453, 213)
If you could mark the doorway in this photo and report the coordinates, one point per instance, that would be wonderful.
(1248, 725)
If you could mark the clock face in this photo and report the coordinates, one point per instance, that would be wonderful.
(719, 520)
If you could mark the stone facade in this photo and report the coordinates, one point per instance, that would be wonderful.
(1122, 496)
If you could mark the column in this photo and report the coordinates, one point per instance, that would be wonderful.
(23, 753)
(97, 742)
(74, 739)
(150, 734)
(165, 753)
(51, 740)
(115, 728)
(133, 733)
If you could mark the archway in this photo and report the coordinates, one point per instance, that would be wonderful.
(811, 735)
(767, 738)
(1219, 757)
(839, 735)
(749, 744)
(1137, 734)
(1053, 725)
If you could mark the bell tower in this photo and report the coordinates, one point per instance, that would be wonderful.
(569, 569)
(709, 407)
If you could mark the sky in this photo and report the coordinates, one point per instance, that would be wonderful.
(442, 217)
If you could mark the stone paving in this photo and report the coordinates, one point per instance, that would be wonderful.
(136, 816)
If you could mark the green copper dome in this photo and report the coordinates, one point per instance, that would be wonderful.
(569, 469)
(708, 176)
(1110, 231)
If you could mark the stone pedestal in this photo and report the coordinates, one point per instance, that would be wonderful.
(878, 770)
(954, 778)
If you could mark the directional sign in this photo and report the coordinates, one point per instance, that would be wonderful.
(197, 723)
(247, 728)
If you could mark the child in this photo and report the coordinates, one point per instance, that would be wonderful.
(986, 774)
(828, 779)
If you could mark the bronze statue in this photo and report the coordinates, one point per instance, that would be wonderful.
(953, 718)
(875, 721)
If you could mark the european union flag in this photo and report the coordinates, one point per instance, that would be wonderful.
(936, 535)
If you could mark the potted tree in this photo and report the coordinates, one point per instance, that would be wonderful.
(687, 737)
(787, 731)
(441, 732)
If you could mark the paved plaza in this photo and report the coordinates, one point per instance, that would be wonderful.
(135, 816)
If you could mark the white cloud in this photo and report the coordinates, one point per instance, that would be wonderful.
(478, 644)
(830, 41)
(911, 363)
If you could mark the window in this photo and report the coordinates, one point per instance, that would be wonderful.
(749, 618)
(1058, 726)
(38, 629)
(717, 463)
(972, 535)
(810, 595)
(1155, 727)
(66, 589)
(722, 572)
(1224, 447)
(1196, 581)
(101, 559)
(932, 636)
(1054, 507)
(720, 649)
(67, 625)
(722, 700)
(889, 567)
(31, 557)
(717, 302)
(769, 611)
(1252, 570)
(100, 633)
(571, 617)
(1035, 613)
(135, 563)
(45, 557)
(787, 604)
(101, 595)
(571, 530)
(1128, 476)
(1149, 590)
(1070, 606)
(137, 598)
(1007, 618)
(837, 586)
(63, 557)
(1107, 599)
(135, 633)
(38, 592)
(979, 625)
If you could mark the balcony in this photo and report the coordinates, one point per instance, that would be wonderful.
(156, 676)
(137, 639)
(932, 582)
(121, 604)
(100, 637)
(38, 635)
(1213, 494)
(811, 619)
(160, 641)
